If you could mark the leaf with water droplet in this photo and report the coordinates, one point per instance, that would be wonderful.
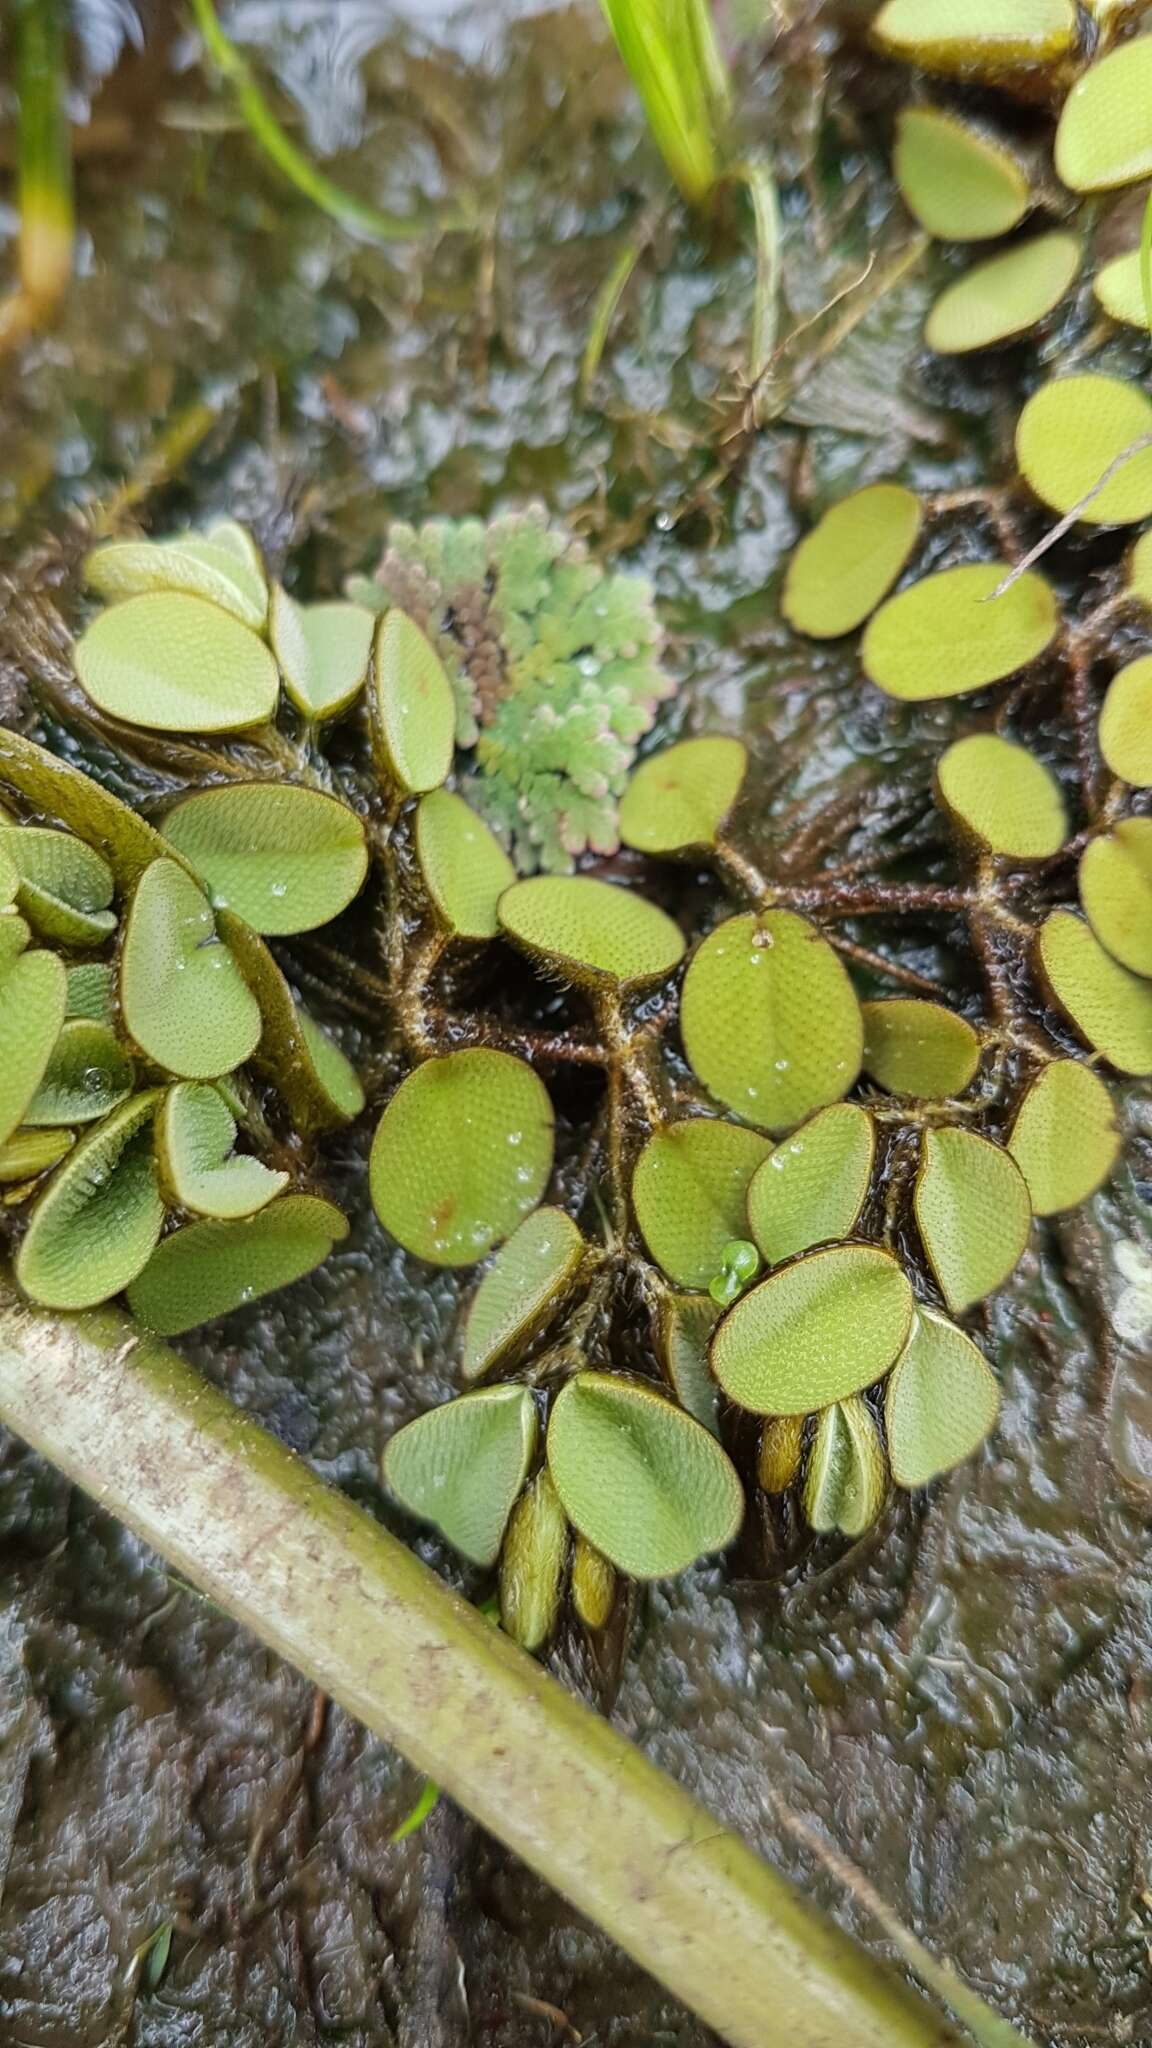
(32, 996)
(847, 1474)
(972, 1212)
(464, 866)
(848, 563)
(941, 1401)
(1126, 723)
(184, 1000)
(770, 1020)
(1070, 433)
(1116, 891)
(284, 859)
(1002, 797)
(689, 1192)
(678, 799)
(1064, 1138)
(207, 1269)
(1109, 1006)
(177, 664)
(64, 887)
(919, 1048)
(960, 182)
(96, 1224)
(813, 1186)
(199, 1167)
(190, 563)
(998, 300)
(950, 633)
(593, 932)
(412, 706)
(1103, 139)
(642, 1481)
(88, 1075)
(528, 1283)
(462, 1465)
(324, 652)
(823, 1327)
(461, 1155)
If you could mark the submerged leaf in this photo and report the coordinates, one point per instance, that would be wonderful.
(207, 1269)
(642, 1481)
(32, 997)
(324, 651)
(918, 1048)
(1116, 891)
(770, 1020)
(678, 799)
(950, 632)
(972, 1212)
(1004, 297)
(813, 1186)
(1111, 1007)
(594, 931)
(941, 1401)
(88, 1074)
(1126, 723)
(177, 664)
(998, 792)
(413, 708)
(465, 868)
(847, 1474)
(195, 1137)
(1071, 432)
(848, 563)
(690, 1192)
(184, 1000)
(532, 1564)
(593, 1585)
(781, 1452)
(528, 1282)
(1064, 1139)
(1104, 138)
(821, 1328)
(960, 183)
(96, 1224)
(462, 1465)
(461, 1155)
(284, 859)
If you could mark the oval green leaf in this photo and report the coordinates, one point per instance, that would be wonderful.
(1064, 1138)
(27, 1154)
(64, 887)
(821, 1328)
(461, 1155)
(183, 998)
(88, 1075)
(848, 563)
(642, 1481)
(528, 1282)
(464, 866)
(177, 664)
(461, 1466)
(532, 1564)
(1116, 891)
(284, 859)
(332, 1069)
(1003, 797)
(961, 184)
(941, 1401)
(413, 708)
(208, 1269)
(847, 1474)
(1119, 287)
(985, 37)
(33, 991)
(1109, 1006)
(972, 1212)
(1079, 448)
(678, 800)
(770, 1020)
(596, 932)
(690, 1191)
(200, 1170)
(1126, 723)
(950, 633)
(1004, 297)
(324, 651)
(189, 563)
(918, 1048)
(812, 1188)
(1104, 138)
(96, 1224)
(684, 1334)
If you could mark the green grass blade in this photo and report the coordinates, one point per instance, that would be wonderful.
(670, 49)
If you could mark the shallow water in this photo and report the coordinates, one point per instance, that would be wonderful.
(961, 1704)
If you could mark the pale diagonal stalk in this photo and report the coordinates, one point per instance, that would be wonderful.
(757, 175)
(676, 65)
(245, 1521)
(44, 162)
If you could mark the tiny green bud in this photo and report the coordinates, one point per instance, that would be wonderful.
(739, 1265)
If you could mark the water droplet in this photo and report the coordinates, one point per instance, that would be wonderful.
(782, 1066)
(278, 889)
